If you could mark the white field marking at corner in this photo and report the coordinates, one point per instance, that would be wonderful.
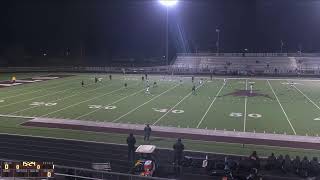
(1, 100)
(205, 114)
(175, 105)
(284, 112)
(81, 102)
(307, 97)
(245, 109)
(42, 89)
(110, 104)
(12, 116)
(48, 94)
(145, 103)
(61, 99)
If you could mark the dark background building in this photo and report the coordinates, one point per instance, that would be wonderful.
(96, 31)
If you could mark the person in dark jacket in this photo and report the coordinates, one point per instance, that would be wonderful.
(271, 162)
(131, 141)
(296, 163)
(178, 149)
(305, 167)
(147, 132)
(314, 167)
(287, 164)
(255, 160)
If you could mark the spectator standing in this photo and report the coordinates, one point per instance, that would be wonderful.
(314, 167)
(296, 163)
(271, 162)
(287, 165)
(147, 132)
(178, 149)
(254, 159)
(131, 141)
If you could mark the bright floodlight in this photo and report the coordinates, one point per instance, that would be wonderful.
(168, 3)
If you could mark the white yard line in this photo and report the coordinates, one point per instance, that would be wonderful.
(81, 102)
(175, 106)
(307, 97)
(245, 109)
(62, 98)
(110, 104)
(284, 112)
(37, 97)
(271, 79)
(145, 103)
(205, 114)
(13, 116)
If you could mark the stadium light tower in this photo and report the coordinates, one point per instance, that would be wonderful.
(168, 4)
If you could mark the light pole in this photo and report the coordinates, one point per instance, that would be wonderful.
(167, 4)
(218, 40)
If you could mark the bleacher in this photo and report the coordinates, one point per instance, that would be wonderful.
(256, 63)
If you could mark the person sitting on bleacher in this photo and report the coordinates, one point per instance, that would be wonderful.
(296, 163)
(271, 162)
(287, 165)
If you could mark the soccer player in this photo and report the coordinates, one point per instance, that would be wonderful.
(192, 79)
(194, 90)
(82, 83)
(13, 79)
(125, 85)
(211, 77)
(201, 80)
(148, 87)
(110, 77)
(251, 88)
(291, 84)
(154, 84)
(95, 79)
(224, 81)
(146, 75)
(142, 78)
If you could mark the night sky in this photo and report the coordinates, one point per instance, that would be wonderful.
(111, 28)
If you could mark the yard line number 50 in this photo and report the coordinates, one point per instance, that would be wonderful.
(254, 115)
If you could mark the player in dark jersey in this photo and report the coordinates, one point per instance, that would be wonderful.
(155, 84)
(95, 79)
(110, 77)
(82, 83)
(192, 79)
(125, 85)
(142, 78)
(194, 90)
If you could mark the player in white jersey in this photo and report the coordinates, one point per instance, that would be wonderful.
(291, 84)
(251, 88)
(148, 87)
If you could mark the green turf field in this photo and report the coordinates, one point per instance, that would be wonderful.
(273, 106)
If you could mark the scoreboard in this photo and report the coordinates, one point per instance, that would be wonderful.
(27, 169)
